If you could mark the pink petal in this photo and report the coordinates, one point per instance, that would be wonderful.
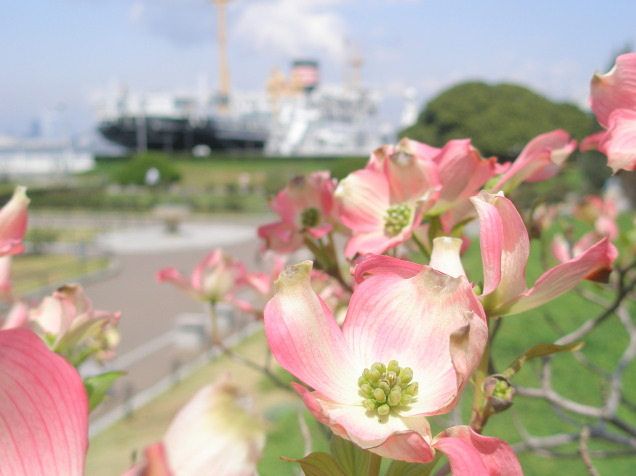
(614, 90)
(591, 264)
(43, 409)
(306, 340)
(591, 142)
(173, 276)
(406, 439)
(472, 454)
(280, 237)
(156, 463)
(364, 200)
(411, 321)
(6, 293)
(18, 316)
(373, 242)
(619, 141)
(540, 159)
(13, 222)
(505, 248)
(379, 264)
(462, 172)
(411, 171)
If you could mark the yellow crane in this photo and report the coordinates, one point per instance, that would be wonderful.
(224, 72)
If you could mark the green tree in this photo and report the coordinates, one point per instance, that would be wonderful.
(500, 119)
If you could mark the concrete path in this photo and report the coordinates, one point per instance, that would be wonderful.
(149, 309)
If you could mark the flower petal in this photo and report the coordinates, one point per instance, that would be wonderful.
(619, 141)
(13, 222)
(364, 200)
(305, 338)
(614, 90)
(540, 159)
(216, 432)
(556, 281)
(472, 454)
(411, 321)
(505, 248)
(43, 409)
(406, 439)
(378, 264)
(445, 256)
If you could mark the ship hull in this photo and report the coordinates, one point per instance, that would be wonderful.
(170, 134)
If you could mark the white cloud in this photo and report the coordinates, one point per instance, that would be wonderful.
(182, 22)
(293, 27)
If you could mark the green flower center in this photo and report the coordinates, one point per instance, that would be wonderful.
(397, 218)
(387, 387)
(310, 217)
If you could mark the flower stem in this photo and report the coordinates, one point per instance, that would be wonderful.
(374, 464)
(480, 411)
(216, 338)
(421, 246)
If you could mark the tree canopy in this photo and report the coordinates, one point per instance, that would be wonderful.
(500, 119)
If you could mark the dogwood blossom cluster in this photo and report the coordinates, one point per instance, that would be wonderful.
(384, 328)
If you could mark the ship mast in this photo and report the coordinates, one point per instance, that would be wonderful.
(224, 72)
(355, 62)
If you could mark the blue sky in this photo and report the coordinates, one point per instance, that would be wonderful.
(62, 53)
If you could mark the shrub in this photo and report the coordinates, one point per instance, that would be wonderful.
(134, 172)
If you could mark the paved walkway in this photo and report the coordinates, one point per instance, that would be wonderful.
(149, 309)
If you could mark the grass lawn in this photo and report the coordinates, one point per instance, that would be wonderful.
(31, 272)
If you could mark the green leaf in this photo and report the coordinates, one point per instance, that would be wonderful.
(97, 387)
(351, 458)
(540, 350)
(402, 468)
(319, 464)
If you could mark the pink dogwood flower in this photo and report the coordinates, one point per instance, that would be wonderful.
(43, 409)
(539, 160)
(613, 100)
(13, 223)
(216, 433)
(216, 278)
(71, 327)
(384, 202)
(307, 209)
(462, 173)
(505, 249)
(405, 351)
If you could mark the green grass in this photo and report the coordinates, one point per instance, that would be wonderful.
(31, 272)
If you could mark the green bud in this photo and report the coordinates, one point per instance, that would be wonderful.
(412, 389)
(386, 387)
(379, 395)
(393, 366)
(374, 376)
(406, 375)
(366, 390)
(395, 396)
(369, 404)
(379, 366)
(405, 399)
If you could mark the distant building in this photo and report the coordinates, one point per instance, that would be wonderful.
(21, 157)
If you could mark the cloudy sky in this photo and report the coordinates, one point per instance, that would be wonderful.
(59, 54)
